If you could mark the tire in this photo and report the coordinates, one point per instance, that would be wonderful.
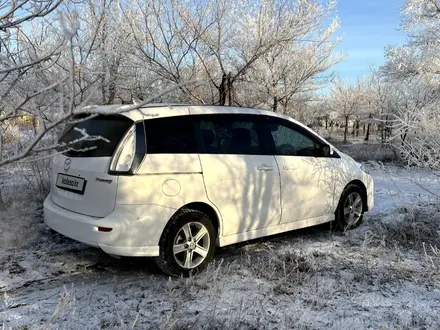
(194, 255)
(350, 211)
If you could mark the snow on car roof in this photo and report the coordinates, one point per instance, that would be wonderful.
(136, 112)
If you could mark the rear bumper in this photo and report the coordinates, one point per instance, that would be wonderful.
(136, 229)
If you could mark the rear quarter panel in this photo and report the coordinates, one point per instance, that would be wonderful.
(167, 180)
(164, 184)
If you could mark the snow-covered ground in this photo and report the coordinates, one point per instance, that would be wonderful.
(384, 274)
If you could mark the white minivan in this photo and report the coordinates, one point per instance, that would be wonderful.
(175, 181)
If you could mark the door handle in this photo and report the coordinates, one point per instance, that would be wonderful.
(265, 168)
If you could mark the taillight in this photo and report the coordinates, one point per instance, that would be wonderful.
(124, 155)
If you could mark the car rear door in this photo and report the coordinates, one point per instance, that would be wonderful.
(240, 174)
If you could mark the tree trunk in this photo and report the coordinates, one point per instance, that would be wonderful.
(358, 122)
(2, 203)
(111, 91)
(363, 129)
(403, 136)
(326, 122)
(367, 136)
(346, 129)
(354, 128)
(17, 143)
(225, 90)
(382, 133)
(114, 68)
(275, 104)
(229, 93)
(35, 124)
(386, 128)
(103, 91)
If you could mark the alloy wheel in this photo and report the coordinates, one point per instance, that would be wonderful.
(353, 209)
(191, 245)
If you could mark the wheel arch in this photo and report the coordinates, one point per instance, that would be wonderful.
(166, 259)
(363, 189)
(207, 209)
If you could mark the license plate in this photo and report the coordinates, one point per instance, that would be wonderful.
(71, 183)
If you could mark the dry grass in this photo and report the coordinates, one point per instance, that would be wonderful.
(300, 288)
(36, 176)
(283, 271)
(311, 281)
(411, 228)
(26, 182)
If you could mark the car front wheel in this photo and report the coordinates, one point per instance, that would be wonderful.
(350, 211)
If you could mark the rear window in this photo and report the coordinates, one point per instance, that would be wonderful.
(111, 127)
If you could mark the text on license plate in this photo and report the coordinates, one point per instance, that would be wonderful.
(71, 183)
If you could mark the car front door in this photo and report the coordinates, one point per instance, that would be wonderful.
(306, 173)
(241, 176)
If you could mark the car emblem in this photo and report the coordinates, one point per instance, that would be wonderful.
(67, 163)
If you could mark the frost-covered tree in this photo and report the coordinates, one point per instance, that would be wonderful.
(58, 56)
(373, 104)
(55, 58)
(412, 71)
(231, 43)
(161, 47)
(346, 100)
(290, 73)
(30, 82)
(414, 120)
(421, 22)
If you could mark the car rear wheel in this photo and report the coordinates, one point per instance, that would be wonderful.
(350, 211)
(187, 244)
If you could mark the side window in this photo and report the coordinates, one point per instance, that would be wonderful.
(290, 142)
(172, 135)
(223, 134)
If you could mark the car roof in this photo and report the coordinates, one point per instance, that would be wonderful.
(157, 110)
(162, 110)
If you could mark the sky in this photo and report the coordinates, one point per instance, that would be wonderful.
(367, 26)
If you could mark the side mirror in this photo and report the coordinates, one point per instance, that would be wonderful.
(327, 150)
